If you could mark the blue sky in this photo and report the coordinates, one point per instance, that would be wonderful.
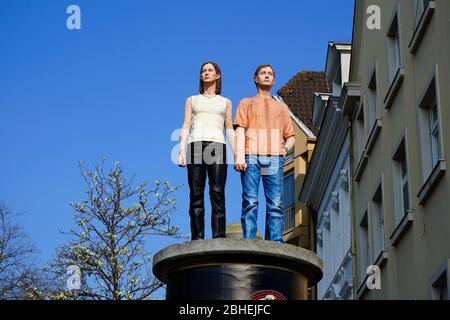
(117, 88)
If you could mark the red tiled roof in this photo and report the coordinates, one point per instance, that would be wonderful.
(299, 91)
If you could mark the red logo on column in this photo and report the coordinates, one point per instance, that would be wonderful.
(267, 295)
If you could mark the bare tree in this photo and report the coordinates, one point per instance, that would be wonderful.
(20, 278)
(109, 246)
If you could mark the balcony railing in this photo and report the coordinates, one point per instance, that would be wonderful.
(289, 219)
(290, 156)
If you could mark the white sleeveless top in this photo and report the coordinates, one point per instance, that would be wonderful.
(208, 116)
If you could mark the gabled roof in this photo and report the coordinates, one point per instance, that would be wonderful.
(298, 122)
(298, 94)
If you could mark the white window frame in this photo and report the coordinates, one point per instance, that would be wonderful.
(364, 251)
(359, 131)
(433, 163)
(405, 183)
(434, 132)
(373, 105)
(430, 133)
(394, 46)
(400, 157)
(378, 221)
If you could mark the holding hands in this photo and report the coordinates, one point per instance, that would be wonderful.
(239, 163)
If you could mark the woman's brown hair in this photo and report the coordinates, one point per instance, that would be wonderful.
(218, 81)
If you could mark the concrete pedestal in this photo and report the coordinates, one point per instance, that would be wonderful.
(237, 269)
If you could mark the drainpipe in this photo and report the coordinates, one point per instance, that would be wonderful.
(352, 213)
(313, 238)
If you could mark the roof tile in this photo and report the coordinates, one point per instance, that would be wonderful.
(299, 91)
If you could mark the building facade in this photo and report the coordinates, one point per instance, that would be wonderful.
(397, 101)
(326, 188)
(298, 94)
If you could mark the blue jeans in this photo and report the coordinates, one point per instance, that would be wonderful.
(270, 169)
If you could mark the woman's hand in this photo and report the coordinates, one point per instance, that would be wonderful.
(182, 159)
(185, 132)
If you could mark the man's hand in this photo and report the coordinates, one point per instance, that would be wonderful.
(239, 159)
(239, 164)
(289, 144)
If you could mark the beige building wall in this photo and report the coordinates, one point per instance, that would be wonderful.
(417, 246)
(301, 235)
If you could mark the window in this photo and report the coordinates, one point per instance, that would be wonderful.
(337, 83)
(395, 72)
(404, 184)
(289, 202)
(394, 53)
(442, 289)
(373, 115)
(372, 107)
(419, 8)
(364, 247)
(360, 139)
(440, 282)
(434, 132)
(377, 213)
(401, 182)
(433, 163)
(424, 10)
(359, 132)
(430, 128)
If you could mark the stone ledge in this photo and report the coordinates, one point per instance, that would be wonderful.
(194, 254)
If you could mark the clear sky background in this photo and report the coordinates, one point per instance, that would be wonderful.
(117, 88)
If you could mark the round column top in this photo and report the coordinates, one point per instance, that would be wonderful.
(192, 254)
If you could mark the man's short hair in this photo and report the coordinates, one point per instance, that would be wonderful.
(262, 66)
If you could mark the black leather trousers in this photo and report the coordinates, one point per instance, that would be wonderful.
(206, 158)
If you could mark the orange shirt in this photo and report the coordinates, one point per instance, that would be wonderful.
(267, 124)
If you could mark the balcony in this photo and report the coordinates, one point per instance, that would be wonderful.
(289, 157)
(289, 219)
